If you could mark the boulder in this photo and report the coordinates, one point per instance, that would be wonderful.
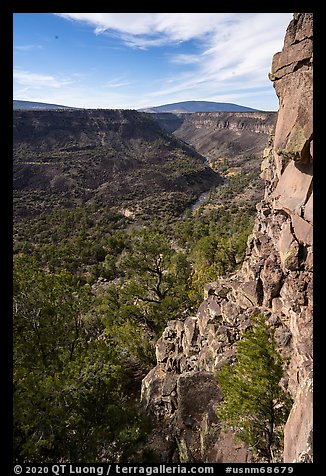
(272, 279)
(293, 188)
(164, 348)
(203, 317)
(287, 61)
(198, 392)
(302, 229)
(190, 330)
(288, 248)
(152, 386)
(170, 383)
(298, 443)
(251, 293)
(229, 450)
(292, 76)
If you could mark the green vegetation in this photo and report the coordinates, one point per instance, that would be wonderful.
(71, 396)
(92, 293)
(94, 287)
(103, 159)
(254, 404)
(106, 251)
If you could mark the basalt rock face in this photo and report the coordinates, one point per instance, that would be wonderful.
(275, 279)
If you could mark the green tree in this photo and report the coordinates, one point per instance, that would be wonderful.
(254, 404)
(81, 414)
(48, 315)
(72, 399)
(155, 280)
(211, 256)
(147, 263)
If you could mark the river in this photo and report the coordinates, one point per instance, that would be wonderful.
(203, 198)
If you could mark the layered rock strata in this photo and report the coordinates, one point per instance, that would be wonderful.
(221, 134)
(275, 279)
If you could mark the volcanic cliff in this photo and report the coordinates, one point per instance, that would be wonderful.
(221, 134)
(275, 280)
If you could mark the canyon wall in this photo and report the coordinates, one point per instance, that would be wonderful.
(221, 134)
(275, 279)
(120, 159)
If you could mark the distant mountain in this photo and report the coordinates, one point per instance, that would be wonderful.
(199, 106)
(28, 105)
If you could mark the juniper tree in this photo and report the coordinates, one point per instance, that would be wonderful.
(254, 404)
(71, 381)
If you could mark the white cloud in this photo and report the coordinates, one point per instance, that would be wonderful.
(231, 46)
(172, 26)
(247, 45)
(36, 80)
(185, 59)
(162, 28)
(234, 55)
(117, 83)
(28, 47)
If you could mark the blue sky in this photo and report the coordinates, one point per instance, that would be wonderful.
(135, 60)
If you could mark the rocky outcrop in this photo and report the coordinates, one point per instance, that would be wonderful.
(275, 279)
(182, 389)
(293, 196)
